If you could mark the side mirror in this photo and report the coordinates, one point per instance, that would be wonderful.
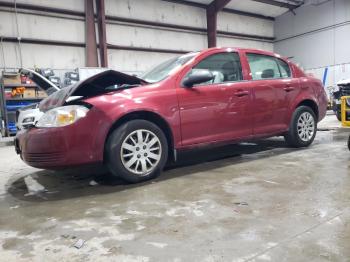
(197, 77)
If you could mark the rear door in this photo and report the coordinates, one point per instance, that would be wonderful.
(272, 91)
(217, 110)
(291, 87)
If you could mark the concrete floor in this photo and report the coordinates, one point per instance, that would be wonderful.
(250, 202)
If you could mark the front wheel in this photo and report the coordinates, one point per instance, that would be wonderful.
(302, 128)
(136, 151)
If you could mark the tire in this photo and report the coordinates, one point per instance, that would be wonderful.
(338, 114)
(303, 135)
(134, 159)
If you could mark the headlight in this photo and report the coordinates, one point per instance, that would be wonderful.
(28, 120)
(62, 116)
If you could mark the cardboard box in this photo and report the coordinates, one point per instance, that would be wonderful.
(16, 97)
(29, 93)
(8, 94)
(12, 80)
(41, 94)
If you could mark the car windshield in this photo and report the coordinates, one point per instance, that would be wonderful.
(163, 70)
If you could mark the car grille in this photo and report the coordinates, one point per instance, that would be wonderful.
(44, 158)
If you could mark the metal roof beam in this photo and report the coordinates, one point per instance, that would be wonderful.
(218, 5)
(226, 10)
(278, 3)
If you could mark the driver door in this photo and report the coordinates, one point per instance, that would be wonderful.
(217, 110)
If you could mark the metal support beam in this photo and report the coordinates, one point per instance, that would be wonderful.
(278, 3)
(211, 27)
(226, 10)
(80, 16)
(212, 12)
(218, 5)
(90, 35)
(82, 45)
(101, 23)
(41, 8)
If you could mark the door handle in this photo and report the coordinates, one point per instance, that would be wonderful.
(288, 88)
(241, 93)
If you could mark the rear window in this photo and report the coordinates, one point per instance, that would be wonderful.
(263, 67)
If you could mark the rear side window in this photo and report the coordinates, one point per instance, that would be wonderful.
(226, 67)
(263, 67)
(284, 67)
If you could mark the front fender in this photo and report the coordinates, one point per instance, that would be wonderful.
(162, 103)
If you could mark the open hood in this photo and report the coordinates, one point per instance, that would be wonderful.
(40, 80)
(101, 83)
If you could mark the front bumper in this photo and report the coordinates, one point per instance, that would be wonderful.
(62, 147)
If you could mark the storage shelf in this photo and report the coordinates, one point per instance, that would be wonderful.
(18, 85)
(24, 99)
(9, 105)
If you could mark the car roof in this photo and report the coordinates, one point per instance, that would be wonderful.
(246, 50)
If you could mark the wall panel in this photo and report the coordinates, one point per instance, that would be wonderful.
(317, 37)
(42, 26)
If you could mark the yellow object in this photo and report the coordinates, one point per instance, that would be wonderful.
(344, 110)
(65, 118)
(18, 91)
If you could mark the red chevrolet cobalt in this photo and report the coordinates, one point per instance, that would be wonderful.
(133, 125)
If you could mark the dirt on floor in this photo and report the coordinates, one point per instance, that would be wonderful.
(256, 201)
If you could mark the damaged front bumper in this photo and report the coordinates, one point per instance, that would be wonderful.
(62, 147)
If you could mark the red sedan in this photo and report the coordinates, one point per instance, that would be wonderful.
(133, 125)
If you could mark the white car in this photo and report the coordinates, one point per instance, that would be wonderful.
(28, 116)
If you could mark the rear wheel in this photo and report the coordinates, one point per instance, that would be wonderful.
(302, 128)
(338, 114)
(136, 151)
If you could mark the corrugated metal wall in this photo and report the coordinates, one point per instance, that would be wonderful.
(317, 36)
(48, 26)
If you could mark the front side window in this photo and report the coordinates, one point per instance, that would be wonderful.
(225, 67)
(263, 67)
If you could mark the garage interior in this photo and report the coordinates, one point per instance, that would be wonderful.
(255, 200)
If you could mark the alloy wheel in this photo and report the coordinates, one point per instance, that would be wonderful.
(141, 152)
(306, 126)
